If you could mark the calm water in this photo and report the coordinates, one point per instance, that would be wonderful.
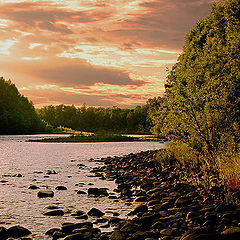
(20, 205)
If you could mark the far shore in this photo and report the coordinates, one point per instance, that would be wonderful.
(100, 138)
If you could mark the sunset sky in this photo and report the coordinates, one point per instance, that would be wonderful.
(97, 52)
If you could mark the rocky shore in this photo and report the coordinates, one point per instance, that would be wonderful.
(165, 207)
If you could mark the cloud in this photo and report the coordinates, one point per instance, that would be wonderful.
(78, 73)
(48, 16)
(164, 23)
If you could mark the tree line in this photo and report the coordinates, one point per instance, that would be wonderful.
(91, 119)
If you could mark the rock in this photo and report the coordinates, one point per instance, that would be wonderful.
(51, 231)
(75, 236)
(44, 194)
(139, 209)
(58, 235)
(33, 187)
(182, 201)
(54, 213)
(78, 213)
(3, 233)
(129, 227)
(18, 231)
(98, 192)
(81, 192)
(232, 233)
(199, 234)
(117, 235)
(94, 212)
(141, 199)
(69, 227)
(52, 207)
(61, 188)
(49, 172)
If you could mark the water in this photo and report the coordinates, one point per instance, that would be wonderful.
(20, 205)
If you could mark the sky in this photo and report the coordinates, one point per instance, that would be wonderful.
(93, 52)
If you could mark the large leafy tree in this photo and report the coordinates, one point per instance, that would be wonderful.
(202, 101)
(17, 114)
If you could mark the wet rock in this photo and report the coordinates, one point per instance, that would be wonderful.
(117, 235)
(58, 235)
(67, 228)
(75, 236)
(94, 212)
(200, 234)
(52, 207)
(44, 194)
(141, 199)
(182, 201)
(81, 192)
(129, 227)
(61, 188)
(51, 231)
(49, 172)
(139, 209)
(3, 233)
(33, 187)
(57, 212)
(98, 192)
(18, 231)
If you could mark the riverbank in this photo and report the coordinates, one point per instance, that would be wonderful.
(166, 207)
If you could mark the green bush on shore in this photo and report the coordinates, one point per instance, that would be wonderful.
(199, 112)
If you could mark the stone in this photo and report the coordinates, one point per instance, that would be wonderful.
(98, 192)
(33, 187)
(18, 231)
(61, 188)
(117, 235)
(81, 192)
(3, 233)
(57, 212)
(140, 209)
(94, 212)
(75, 236)
(44, 194)
(199, 234)
(129, 227)
(51, 231)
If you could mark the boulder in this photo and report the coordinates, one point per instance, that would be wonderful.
(94, 212)
(57, 212)
(44, 194)
(17, 231)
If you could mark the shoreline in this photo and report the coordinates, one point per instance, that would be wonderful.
(167, 208)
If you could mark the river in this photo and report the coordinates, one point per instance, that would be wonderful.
(25, 163)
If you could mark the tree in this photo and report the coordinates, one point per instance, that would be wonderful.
(202, 100)
(17, 114)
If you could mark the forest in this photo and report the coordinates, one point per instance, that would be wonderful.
(91, 119)
(18, 116)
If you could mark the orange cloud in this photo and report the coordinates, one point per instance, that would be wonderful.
(104, 51)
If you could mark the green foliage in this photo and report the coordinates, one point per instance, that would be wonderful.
(202, 100)
(92, 119)
(17, 114)
(200, 111)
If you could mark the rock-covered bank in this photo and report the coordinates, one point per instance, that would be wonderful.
(166, 208)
